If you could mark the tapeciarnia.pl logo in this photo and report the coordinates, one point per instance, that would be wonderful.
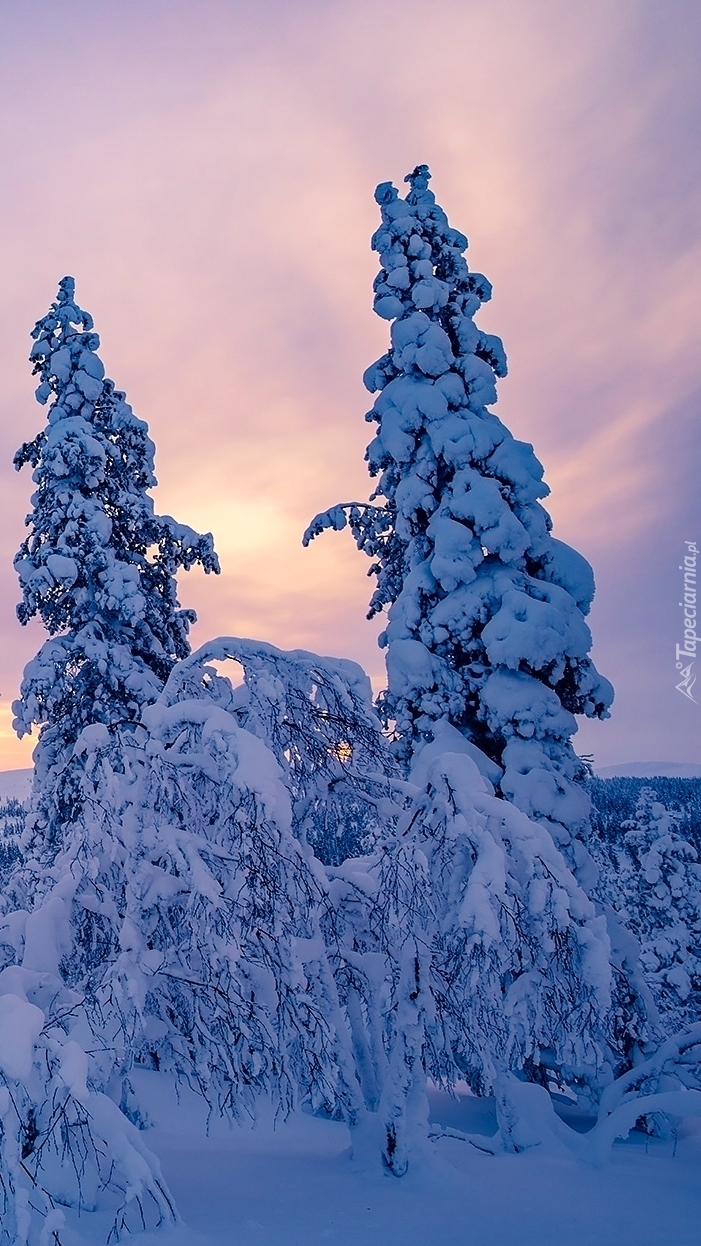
(686, 653)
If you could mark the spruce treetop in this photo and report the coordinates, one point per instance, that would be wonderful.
(98, 566)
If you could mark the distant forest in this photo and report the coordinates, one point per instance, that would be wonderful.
(614, 801)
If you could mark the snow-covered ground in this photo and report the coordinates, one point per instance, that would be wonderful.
(296, 1185)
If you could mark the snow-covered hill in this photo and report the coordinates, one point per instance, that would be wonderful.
(649, 769)
(15, 784)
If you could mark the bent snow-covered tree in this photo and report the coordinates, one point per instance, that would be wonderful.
(316, 716)
(486, 629)
(181, 924)
(98, 565)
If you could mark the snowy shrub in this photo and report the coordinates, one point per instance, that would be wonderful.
(486, 627)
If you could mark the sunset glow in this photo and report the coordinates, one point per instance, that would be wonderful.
(206, 173)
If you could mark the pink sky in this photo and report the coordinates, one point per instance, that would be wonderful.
(206, 172)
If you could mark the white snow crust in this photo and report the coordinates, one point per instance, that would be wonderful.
(295, 1185)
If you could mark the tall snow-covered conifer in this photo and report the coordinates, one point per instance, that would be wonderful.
(486, 630)
(98, 565)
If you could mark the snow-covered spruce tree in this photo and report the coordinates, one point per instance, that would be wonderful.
(98, 565)
(486, 627)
